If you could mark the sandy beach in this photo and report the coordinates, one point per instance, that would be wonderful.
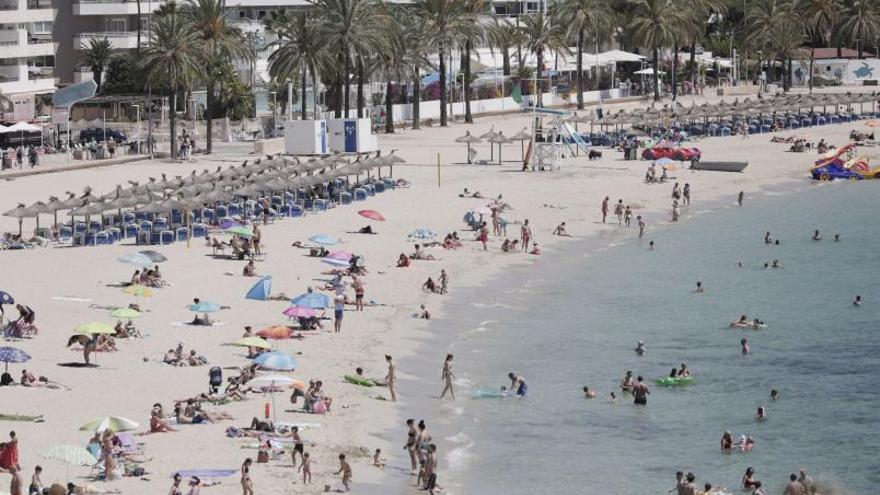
(70, 286)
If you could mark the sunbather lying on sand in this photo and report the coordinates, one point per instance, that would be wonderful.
(29, 380)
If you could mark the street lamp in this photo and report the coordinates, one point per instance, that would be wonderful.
(274, 112)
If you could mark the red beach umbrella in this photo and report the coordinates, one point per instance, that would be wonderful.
(372, 215)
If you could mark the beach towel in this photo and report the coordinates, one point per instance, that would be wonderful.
(206, 473)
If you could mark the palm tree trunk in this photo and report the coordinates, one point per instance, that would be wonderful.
(346, 70)
(138, 48)
(467, 83)
(389, 109)
(337, 98)
(539, 87)
(302, 95)
(505, 62)
(416, 98)
(812, 60)
(442, 83)
(693, 74)
(360, 88)
(674, 70)
(656, 56)
(172, 127)
(209, 115)
(314, 93)
(579, 75)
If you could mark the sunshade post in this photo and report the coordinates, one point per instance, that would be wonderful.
(438, 167)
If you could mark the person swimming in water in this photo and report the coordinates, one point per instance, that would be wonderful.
(817, 236)
(774, 394)
(745, 346)
(775, 264)
(640, 348)
(684, 371)
(857, 301)
(589, 394)
(627, 383)
(767, 238)
(836, 237)
(518, 384)
(742, 322)
(726, 441)
(761, 414)
(699, 288)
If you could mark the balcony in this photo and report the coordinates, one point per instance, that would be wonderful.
(24, 11)
(114, 7)
(119, 40)
(17, 44)
(39, 85)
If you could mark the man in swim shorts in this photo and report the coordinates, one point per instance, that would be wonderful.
(640, 392)
(518, 385)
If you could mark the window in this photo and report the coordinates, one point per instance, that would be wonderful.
(116, 24)
(44, 27)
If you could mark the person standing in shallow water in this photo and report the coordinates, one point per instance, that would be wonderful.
(447, 376)
(605, 208)
(740, 198)
(640, 392)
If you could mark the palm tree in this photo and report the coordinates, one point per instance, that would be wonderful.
(654, 24)
(349, 27)
(444, 20)
(820, 18)
(300, 50)
(695, 16)
(503, 36)
(96, 56)
(763, 18)
(138, 49)
(218, 43)
(582, 17)
(861, 23)
(171, 60)
(415, 46)
(471, 33)
(542, 35)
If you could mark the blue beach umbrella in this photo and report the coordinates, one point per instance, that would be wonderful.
(422, 234)
(5, 298)
(204, 307)
(311, 300)
(261, 290)
(324, 239)
(664, 161)
(276, 361)
(13, 355)
(137, 259)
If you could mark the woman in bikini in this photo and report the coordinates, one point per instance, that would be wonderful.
(247, 486)
(411, 436)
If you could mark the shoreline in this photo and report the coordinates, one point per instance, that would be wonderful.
(360, 423)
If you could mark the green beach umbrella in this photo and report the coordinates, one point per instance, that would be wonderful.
(70, 455)
(125, 313)
(94, 327)
(138, 291)
(256, 342)
(239, 230)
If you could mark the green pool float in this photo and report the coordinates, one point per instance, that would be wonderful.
(678, 381)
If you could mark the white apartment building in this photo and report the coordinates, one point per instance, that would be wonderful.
(27, 55)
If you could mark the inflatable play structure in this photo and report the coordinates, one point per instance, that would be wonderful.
(843, 163)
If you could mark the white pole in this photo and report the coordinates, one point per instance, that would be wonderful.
(290, 99)
(68, 133)
(104, 125)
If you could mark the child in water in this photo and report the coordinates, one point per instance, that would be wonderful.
(589, 394)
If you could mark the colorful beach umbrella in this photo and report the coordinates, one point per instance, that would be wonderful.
(299, 312)
(372, 215)
(13, 355)
(311, 300)
(94, 327)
(126, 313)
(255, 342)
(422, 234)
(115, 423)
(277, 332)
(275, 361)
(340, 255)
(137, 259)
(240, 231)
(261, 290)
(324, 239)
(138, 291)
(5, 298)
(204, 307)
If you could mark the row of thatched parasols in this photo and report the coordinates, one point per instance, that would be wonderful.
(494, 138)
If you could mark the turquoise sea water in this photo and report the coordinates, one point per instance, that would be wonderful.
(574, 322)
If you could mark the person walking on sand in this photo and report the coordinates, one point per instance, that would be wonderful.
(618, 211)
(358, 284)
(686, 194)
(605, 208)
(412, 444)
(526, 235)
(306, 468)
(444, 281)
(345, 469)
(247, 485)
(641, 222)
(627, 216)
(740, 198)
(338, 312)
(447, 376)
(484, 235)
(390, 378)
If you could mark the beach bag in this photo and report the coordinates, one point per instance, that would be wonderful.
(215, 378)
